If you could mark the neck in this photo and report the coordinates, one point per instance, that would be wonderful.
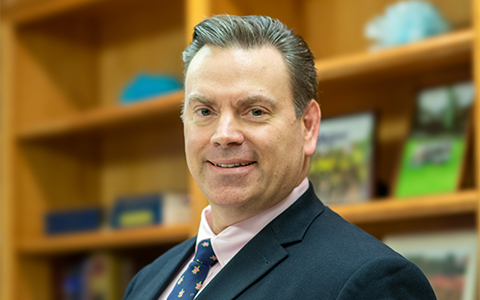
(223, 218)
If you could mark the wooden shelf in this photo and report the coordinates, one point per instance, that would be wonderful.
(27, 11)
(441, 51)
(110, 239)
(104, 118)
(410, 208)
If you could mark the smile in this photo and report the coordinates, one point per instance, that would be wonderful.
(232, 165)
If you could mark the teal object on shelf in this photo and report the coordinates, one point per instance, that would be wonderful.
(405, 22)
(146, 86)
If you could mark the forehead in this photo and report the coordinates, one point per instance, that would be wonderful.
(237, 54)
(217, 71)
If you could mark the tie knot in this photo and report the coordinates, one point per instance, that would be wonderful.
(205, 254)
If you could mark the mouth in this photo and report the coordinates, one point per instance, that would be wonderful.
(232, 165)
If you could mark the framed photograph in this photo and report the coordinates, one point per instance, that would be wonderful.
(433, 154)
(449, 260)
(341, 167)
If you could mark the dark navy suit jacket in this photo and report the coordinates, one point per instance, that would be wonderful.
(307, 252)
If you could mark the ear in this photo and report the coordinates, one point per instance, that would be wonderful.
(311, 122)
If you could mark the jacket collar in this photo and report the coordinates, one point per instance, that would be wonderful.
(160, 281)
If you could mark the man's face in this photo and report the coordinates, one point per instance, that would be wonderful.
(244, 145)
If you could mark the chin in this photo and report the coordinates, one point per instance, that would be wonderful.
(228, 197)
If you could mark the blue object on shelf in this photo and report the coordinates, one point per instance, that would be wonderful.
(137, 211)
(68, 221)
(406, 22)
(72, 282)
(146, 86)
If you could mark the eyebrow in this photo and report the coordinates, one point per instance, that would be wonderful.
(251, 100)
(200, 99)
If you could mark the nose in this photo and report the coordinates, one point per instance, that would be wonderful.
(228, 132)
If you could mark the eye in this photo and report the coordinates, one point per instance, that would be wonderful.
(256, 112)
(205, 112)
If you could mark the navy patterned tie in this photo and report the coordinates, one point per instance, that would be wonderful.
(193, 278)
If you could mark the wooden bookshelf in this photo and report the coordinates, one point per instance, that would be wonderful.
(105, 239)
(66, 142)
(99, 119)
(391, 209)
(437, 52)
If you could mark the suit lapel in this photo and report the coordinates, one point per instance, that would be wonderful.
(265, 251)
(293, 223)
(255, 259)
(165, 275)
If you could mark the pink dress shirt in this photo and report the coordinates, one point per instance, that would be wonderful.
(232, 239)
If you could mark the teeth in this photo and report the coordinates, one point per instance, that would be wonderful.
(233, 165)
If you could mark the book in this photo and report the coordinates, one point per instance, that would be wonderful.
(70, 281)
(150, 209)
(136, 211)
(341, 169)
(449, 260)
(99, 275)
(72, 220)
(434, 152)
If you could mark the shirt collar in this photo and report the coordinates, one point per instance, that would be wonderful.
(228, 242)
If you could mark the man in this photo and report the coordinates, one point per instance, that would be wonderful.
(251, 123)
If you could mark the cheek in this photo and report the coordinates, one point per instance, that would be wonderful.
(291, 145)
(279, 144)
(197, 142)
(192, 143)
(194, 137)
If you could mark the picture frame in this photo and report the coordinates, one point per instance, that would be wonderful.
(449, 260)
(433, 156)
(341, 169)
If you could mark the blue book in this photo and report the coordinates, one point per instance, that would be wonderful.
(68, 221)
(72, 282)
(137, 211)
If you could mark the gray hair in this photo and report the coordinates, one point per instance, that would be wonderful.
(247, 32)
